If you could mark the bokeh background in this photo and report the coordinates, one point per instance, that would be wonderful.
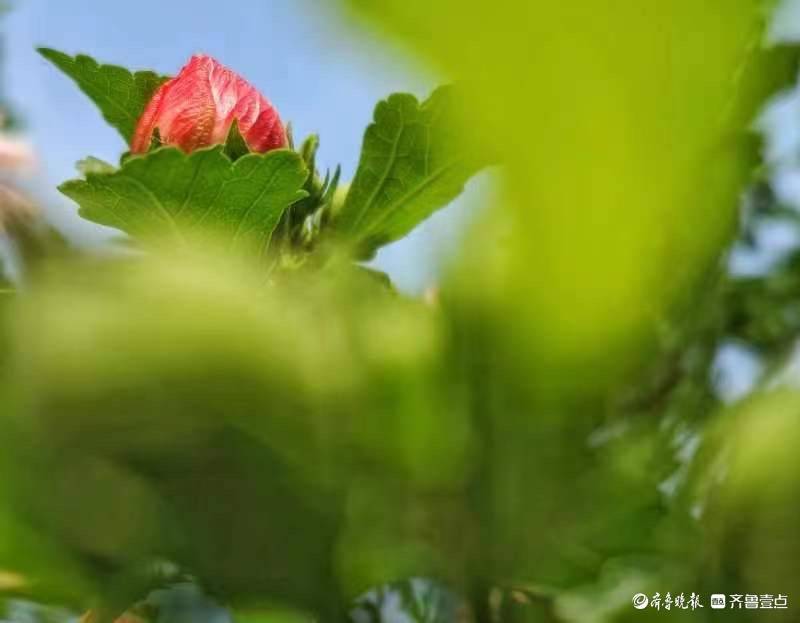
(601, 400)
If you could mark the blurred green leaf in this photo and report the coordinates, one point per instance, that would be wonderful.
(167, 194)
(236, 424)
(119, 94)
(625, 159)
(622, 151)
(271, 615)
(411, 165)
(32, 562)
(747, 488)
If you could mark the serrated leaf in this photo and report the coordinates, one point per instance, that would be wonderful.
(167, 194)
(411, 165)
(119, 94)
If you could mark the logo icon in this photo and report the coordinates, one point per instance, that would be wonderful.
(717, 601)
(640, 601)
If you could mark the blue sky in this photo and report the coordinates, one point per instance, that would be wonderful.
(323, 73)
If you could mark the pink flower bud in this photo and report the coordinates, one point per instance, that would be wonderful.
(198, 107)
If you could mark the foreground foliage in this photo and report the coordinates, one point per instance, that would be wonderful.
(241, 414)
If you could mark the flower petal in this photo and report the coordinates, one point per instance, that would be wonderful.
(197, 108)
(147, 122)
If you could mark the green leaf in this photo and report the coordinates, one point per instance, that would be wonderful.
(272, 615)
(90, 164)
(119, 94)
(235, 145)
(169, 194)
(411, 165)
(309, 149)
